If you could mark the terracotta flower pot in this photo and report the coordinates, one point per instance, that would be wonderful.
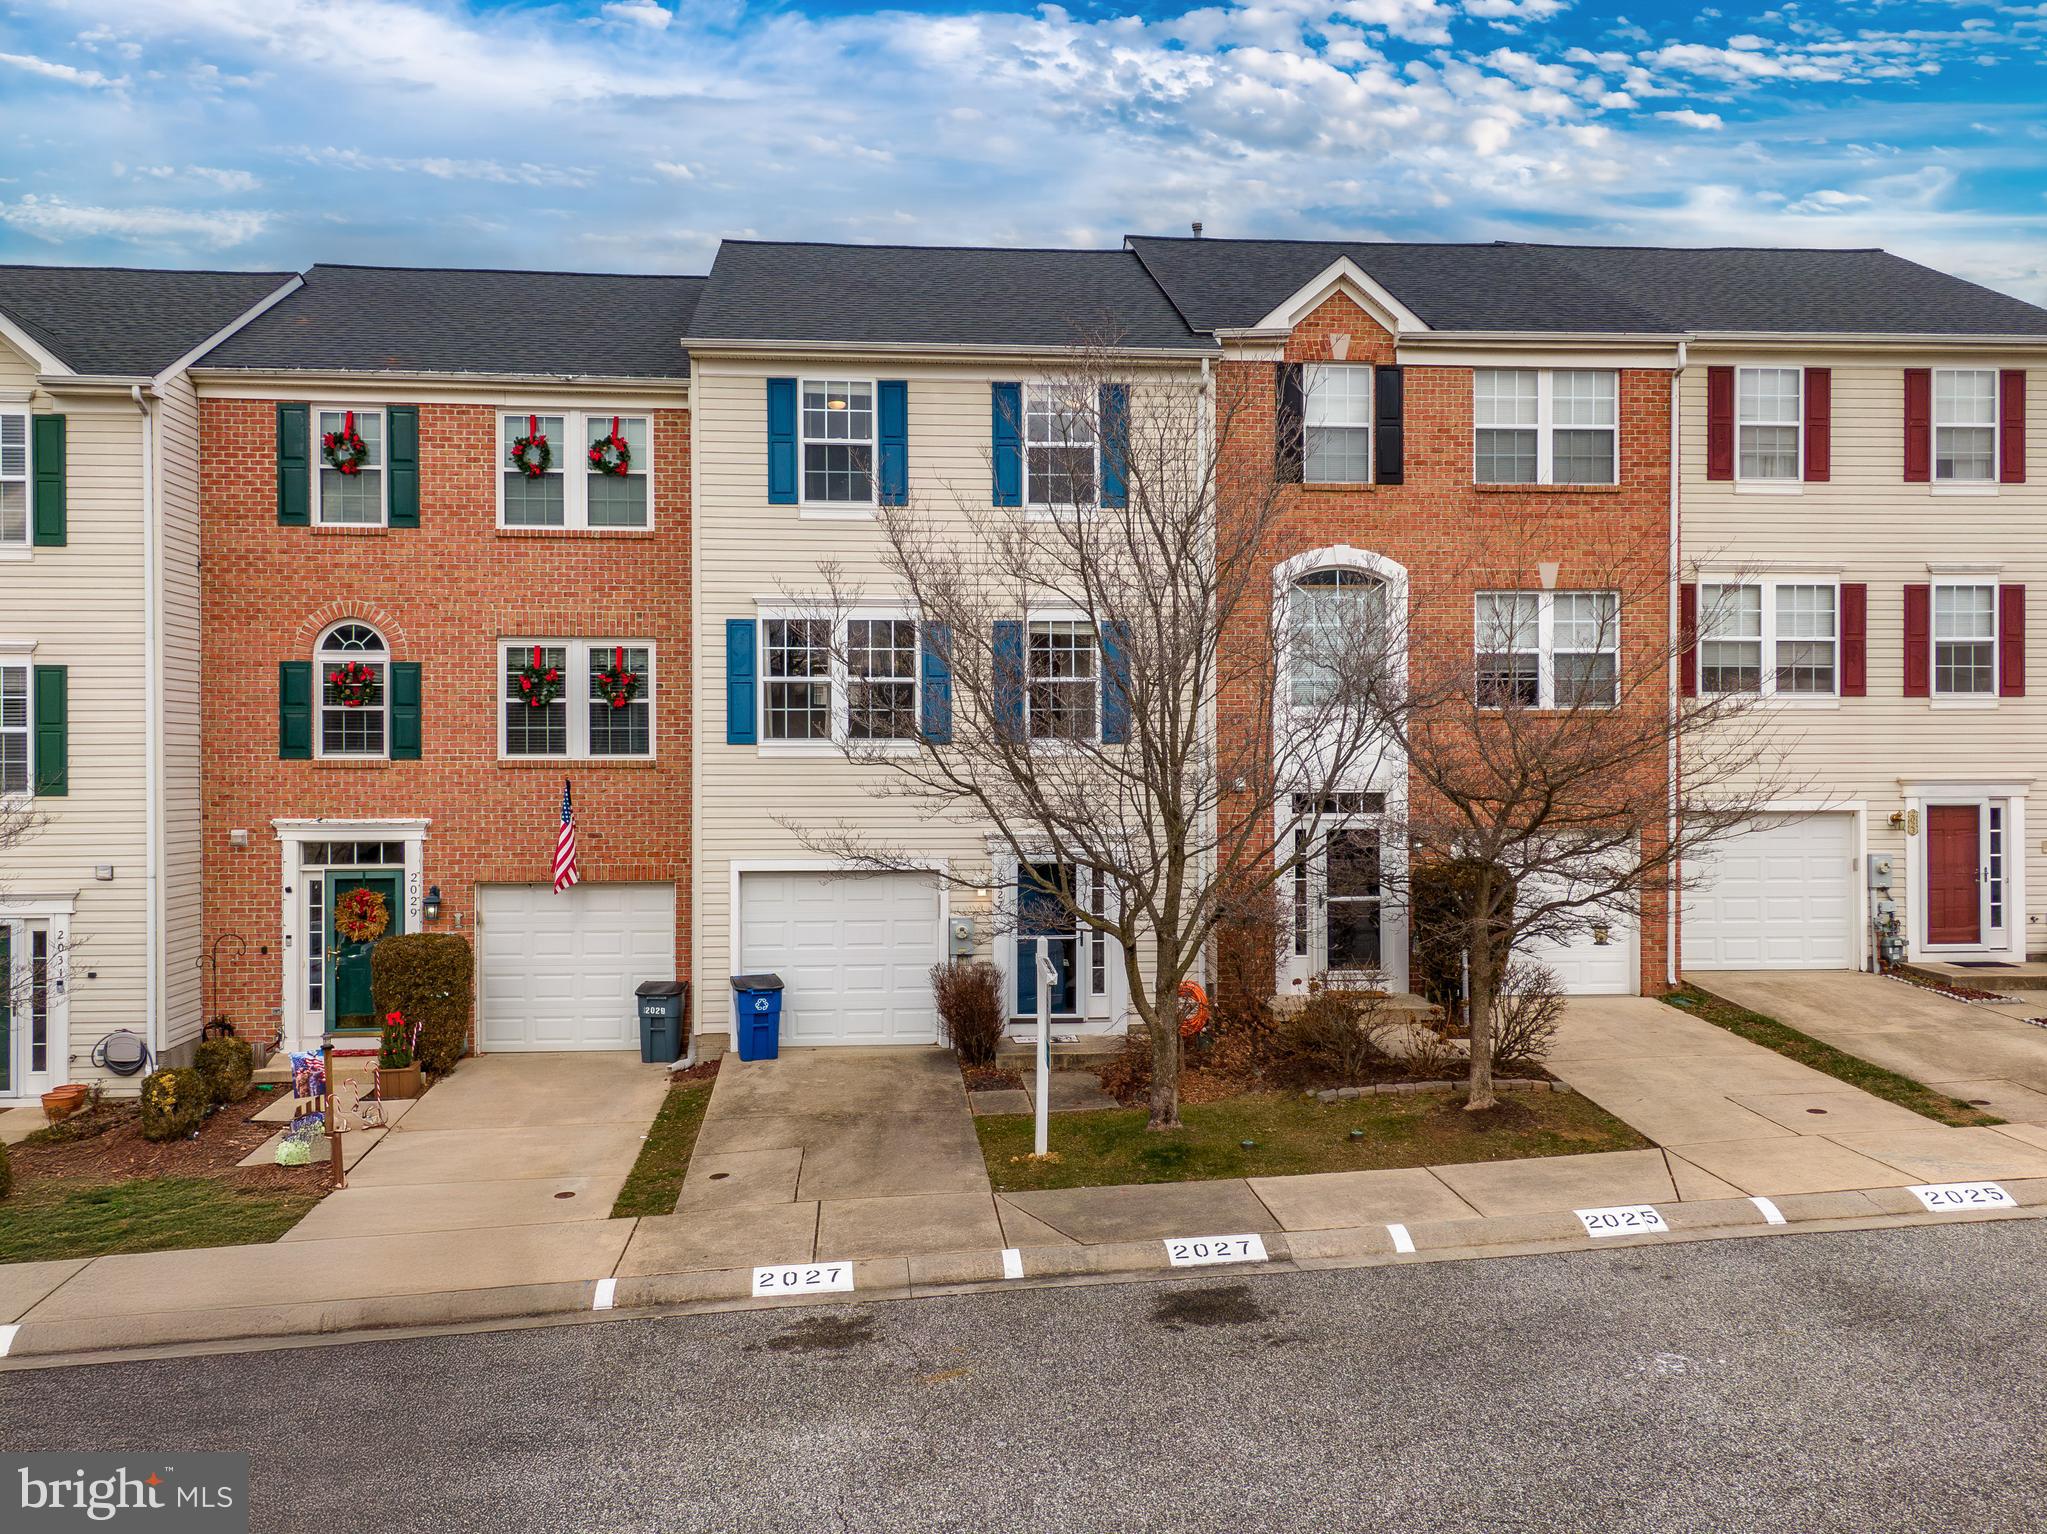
(398, 1082)
(62, 1102)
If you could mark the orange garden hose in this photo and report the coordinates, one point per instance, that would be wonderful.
(1193, 1009)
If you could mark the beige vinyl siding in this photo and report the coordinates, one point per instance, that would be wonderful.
(83, 606)
(1867, 525)
(751, 554)
(17, 372)
(177, 456)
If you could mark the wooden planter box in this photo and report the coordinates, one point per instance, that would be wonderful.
(403, 1082)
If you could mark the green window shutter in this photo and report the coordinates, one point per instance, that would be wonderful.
(402, 434)
(47, 449)
(295, 710)
(405, 693)
(53, 732)
(294, 466)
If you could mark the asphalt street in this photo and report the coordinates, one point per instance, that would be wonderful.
(1887, 1380)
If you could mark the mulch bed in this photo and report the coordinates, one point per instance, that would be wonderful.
(708, 1071)
(991, 1078)
(105, 1144)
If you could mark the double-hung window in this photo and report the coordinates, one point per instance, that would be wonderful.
(16, 774)
(797, 673)
(1965, 425)
(354, 675)
(1543, 649)
(1336, 409)
(575, 469)
(1332, 616)
(851, 682)
(1964, 641)
(882, 656)
(838, 442)
(1060, 441)
(1546, 426)
(577, 699)
(1061, 695)
(1775, 639)
(1767, 413)
(354, 497)
(14, 481)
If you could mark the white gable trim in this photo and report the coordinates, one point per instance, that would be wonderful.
(46, 361)
(1346, 276)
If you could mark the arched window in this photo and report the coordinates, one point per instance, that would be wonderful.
(354, 670)
(1332, 614)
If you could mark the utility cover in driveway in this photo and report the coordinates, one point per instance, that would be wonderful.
(558, 971)
(854, 952)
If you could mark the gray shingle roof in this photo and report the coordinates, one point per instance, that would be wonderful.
(1226, 284)
(935, 296)
(121, 320)
(383, 319)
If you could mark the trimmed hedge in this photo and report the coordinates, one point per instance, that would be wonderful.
(227, 1064)
(6, 1175)
(174, 1103)
(428, 976)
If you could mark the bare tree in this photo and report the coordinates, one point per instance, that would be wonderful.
(1090, 632)
(20, 820)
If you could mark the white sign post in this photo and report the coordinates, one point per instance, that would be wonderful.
(1047, 972)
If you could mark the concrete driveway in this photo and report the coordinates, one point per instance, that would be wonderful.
(1978, 1051)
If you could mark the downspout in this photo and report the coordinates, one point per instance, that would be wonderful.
(152, 736)
(1673, 899)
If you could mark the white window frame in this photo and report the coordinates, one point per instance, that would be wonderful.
(23, 547)
(1797, 474)
(581, 426)
(1935, 425)
(320, 468)
(575, 693)
(1310, 373)
(1546, 428)
(1091, 416)
(838, 739)
(1769, 638)
(1934, 691)
(804, 442)
(1294, 634)
(322, 661)
(1061, 619)
(1545, 641)
(13, 662)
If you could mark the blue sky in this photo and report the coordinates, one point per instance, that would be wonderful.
(630, 135)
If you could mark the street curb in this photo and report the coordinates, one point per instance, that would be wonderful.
(312, 1323)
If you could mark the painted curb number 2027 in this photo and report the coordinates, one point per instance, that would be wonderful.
(804, 1278)
(1200, 1251)
(1941, 1197)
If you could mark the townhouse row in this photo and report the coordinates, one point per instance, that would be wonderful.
(324, 581)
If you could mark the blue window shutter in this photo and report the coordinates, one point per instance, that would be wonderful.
(740, 672)
(405, 710)
(52, 731)
(47, 449)
(1115, 413)
(294, 466)
(1009, 677)
(937, 662)
(892, 412)
(401, 452)
(295, 710)
(1006, 443)
(1115, 683)
(781, 444)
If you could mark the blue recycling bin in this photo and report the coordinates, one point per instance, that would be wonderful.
(757, 1016)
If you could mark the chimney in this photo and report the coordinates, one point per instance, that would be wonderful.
(1197, 229)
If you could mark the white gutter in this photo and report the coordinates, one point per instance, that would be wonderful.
(152, 735)
(1676, 763)
(777, 348)
(302, 376)
(1895, 338)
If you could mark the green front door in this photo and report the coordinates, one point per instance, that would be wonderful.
(348, 964)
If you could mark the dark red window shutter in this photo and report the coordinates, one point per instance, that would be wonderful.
(2011, 426)
(1688, 639)
(1719, 423)
(1918, 425)
(1854, 640)
(1918, 641)
(2011, 641)
(1819, 424)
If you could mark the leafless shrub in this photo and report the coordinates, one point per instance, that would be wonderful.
(1526, 1013)
(969, 997)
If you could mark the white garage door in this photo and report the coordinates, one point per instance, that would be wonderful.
(1779, 897)
(559, 971)
(854, 952)
(1588, 967)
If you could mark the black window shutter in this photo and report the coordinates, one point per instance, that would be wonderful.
(1287, 443)
(1388, 425)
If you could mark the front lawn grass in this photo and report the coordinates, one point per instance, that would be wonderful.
(1294, 1134)
(656, 1179)
(1825, 1058)
(58, 1217)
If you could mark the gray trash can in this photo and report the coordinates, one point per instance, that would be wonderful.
(664, 1020)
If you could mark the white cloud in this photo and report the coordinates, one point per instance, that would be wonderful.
(1686, 117)
(674, 170)
(29, 63)
(1828, 200)
(58, 220)
(639, 13)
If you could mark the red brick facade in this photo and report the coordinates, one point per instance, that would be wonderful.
(443, 595)
(1456, 538)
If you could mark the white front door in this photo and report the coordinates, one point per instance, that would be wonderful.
(854, 952)
(31, 1060)
(559, 971)
(1780, 896)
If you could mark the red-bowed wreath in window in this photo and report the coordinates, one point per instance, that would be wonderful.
(344, 450)
(531, 455)
(354, 685)
(539, 683)
(618, 686)
(611, 454)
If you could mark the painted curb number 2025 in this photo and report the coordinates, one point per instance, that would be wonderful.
(1623, 1220)
(1944, 1196)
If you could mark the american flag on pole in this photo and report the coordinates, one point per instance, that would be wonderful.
(565, 845)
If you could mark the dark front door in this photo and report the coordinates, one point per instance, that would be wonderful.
(1351, 898)
(1954, 907)
(348, 964)
(1043, 921)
